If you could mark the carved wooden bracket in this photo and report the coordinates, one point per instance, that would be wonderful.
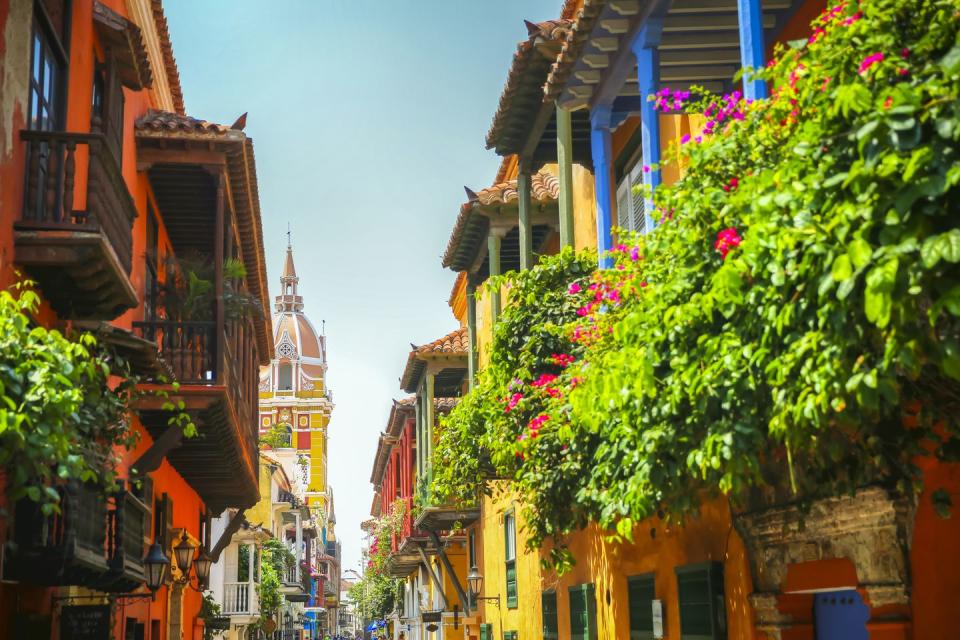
(152, 457)
(232, 527)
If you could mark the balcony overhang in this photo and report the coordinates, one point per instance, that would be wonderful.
(221, 462)
(446, 518)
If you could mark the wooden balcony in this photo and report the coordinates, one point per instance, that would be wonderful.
(62, 549)
(215, 364)
(77, 243)
(240, 599)
(128, 525)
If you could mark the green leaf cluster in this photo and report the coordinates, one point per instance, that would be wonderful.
(819, 355)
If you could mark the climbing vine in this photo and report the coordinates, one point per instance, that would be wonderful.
(376, 593)
(791, 328)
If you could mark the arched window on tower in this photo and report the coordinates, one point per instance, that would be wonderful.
(285, 377)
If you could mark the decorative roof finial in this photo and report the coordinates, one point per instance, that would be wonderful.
(288, 236)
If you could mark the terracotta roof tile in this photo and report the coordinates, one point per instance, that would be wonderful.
(125, 38)
(455, 344)
(520, 99)
(571, 48)
(544, 188)
(169, 62)
(165, 123)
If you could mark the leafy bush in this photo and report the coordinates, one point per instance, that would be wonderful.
(790, 329)
(61, 414)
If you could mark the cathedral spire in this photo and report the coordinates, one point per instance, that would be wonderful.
(288, 300)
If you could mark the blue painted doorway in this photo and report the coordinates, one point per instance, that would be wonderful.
(840, 615)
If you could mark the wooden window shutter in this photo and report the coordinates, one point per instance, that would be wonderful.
(640, 594)
(510, 555)
(583, 612)
(486, 632)
(509, 635)
(701, 601)
(548, 601)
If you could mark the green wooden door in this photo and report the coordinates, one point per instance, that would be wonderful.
(583, 612)
(548, 600)
(640, 595)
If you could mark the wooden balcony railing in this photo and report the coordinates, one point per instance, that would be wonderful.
(127, 524)
(220, 355)
(187, 347)
(51, 202)
(68, 548)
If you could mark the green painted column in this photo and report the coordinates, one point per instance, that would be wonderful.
(526, 231)
(472, 333)
(565, 165)
(493, 255)
(429, 387)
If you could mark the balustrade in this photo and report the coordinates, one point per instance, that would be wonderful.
(237, 598)
(55, 163)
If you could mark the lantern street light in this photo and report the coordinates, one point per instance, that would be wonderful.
(155, 564)
(475, 586)
(183, 553)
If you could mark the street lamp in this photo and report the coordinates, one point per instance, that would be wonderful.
(475, 586)
(155, 565)
(183, 553)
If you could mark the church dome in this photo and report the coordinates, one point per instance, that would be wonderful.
(300, 359)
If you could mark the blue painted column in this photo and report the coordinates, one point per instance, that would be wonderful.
(602, 152)
(648, 76)
(752, 46)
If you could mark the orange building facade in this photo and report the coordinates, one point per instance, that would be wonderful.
(109, 195)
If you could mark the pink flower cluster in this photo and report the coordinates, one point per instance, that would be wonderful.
(562, 359)
(512, 402)
(732, 185)
(717, 113)
(870, 60)
(544, 380)
(667, 100)
(727, 240)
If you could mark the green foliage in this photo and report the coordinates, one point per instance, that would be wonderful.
(792, 328)
(209, 612)
(277, 437)
(61, 416)
(188, 291)
(376, 593)
(274, 559)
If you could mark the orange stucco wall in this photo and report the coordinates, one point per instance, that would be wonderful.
(15, 24)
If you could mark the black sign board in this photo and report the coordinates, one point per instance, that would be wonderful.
(88, 622)
(431, 616)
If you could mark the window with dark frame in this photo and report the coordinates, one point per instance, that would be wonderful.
(48, 66)
(471, 549)
(640, 596)
(548, 602)
(701, 601)
(510, 557)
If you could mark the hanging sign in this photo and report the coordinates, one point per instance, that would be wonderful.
(431, 616)
(86, 622)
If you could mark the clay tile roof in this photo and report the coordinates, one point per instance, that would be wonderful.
(544, 189)
(165, 123)
(523, 92)
(126, 40)
(169, 62)
(455, 344)
(571, 48)
(401, 409)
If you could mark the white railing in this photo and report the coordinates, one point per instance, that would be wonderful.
(238, 598)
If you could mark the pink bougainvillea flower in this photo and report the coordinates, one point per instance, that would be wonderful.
(726, 240)
(512, 402)
(574, 289)
(685, 139)
(851, 19)
(871, 60)
(562, 359)
(635, 254)
(537, 423)
(903, 71)
(544, 380)
(732, 185)
(553, 392)
(643, 285)
(905, 53)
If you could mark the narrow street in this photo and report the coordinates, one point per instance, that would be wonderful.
(681, 361)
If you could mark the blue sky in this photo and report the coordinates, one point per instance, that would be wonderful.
(368, 118)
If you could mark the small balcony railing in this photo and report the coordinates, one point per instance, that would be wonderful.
(127, 525)
(75, 233)
(68, 548)
(188, 347)
(51, 199)
(238, 598)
